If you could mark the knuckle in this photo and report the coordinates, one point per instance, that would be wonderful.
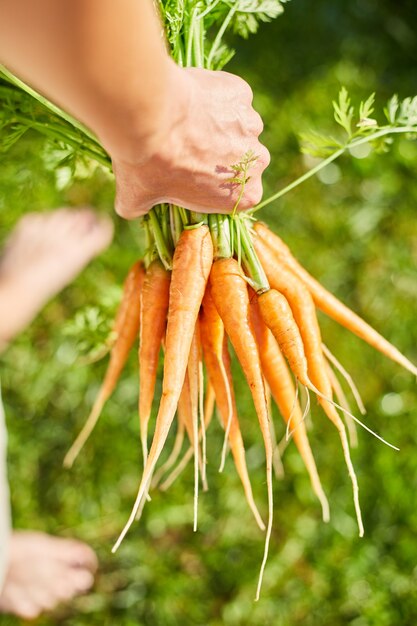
(253, 123)
(242, 88)
(258, 123)
(246, 90)
(264, 157)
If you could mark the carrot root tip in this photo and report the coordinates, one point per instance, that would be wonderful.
(356, 419)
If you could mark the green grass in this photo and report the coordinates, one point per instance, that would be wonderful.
(359, 237)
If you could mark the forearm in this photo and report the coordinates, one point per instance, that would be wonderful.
(172, 132)
(105, 62)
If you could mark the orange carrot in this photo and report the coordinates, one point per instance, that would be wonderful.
(278, 316)
(184, 408)
(329, 304)
(230, 295)
(126, 329)
(302, 306)
(300, 301)
(154, 309)
(304, 312)
(191, 265)
(280, 382)
(217, 360)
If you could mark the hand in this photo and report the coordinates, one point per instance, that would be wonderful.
(209, 125)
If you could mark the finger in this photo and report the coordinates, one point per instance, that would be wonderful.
(235, 87)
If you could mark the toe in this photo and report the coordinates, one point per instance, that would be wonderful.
(70, 583)
(28, 611)
(25, 607)
(82, 580)
(84, 557)
(76, 554)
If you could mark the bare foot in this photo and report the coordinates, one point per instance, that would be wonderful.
(44, 571)
(45, 252)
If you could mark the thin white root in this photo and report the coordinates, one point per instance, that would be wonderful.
(176, 450)
(321, 496)
(177, 470)
(202, 423)
(343, 401)
(346, 412)
(196, 448)
(287, 432)
(283, 445)
(338, 423)
(354, 480)
(196, 459)
(276, 456)
(209, 405)
(309, 463)
(269, 526)
(144, 443)
(142, 494)
(208, 414)
(346, 376)
(145, 499)
(85, 432)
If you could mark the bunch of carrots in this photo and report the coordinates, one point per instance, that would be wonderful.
(207, 281)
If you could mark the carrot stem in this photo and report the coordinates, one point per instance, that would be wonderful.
(160, 241)
(387, 130)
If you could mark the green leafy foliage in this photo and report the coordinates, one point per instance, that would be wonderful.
(357, 125)
(242, 168)
(90, 330)
(173, 12)
(22, 109)
(402, 113)
(343, 112)
(318, 145)
(214, 18)
(249, 14)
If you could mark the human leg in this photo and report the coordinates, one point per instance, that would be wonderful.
(44, 253)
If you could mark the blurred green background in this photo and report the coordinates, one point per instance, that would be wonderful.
(356, 230)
